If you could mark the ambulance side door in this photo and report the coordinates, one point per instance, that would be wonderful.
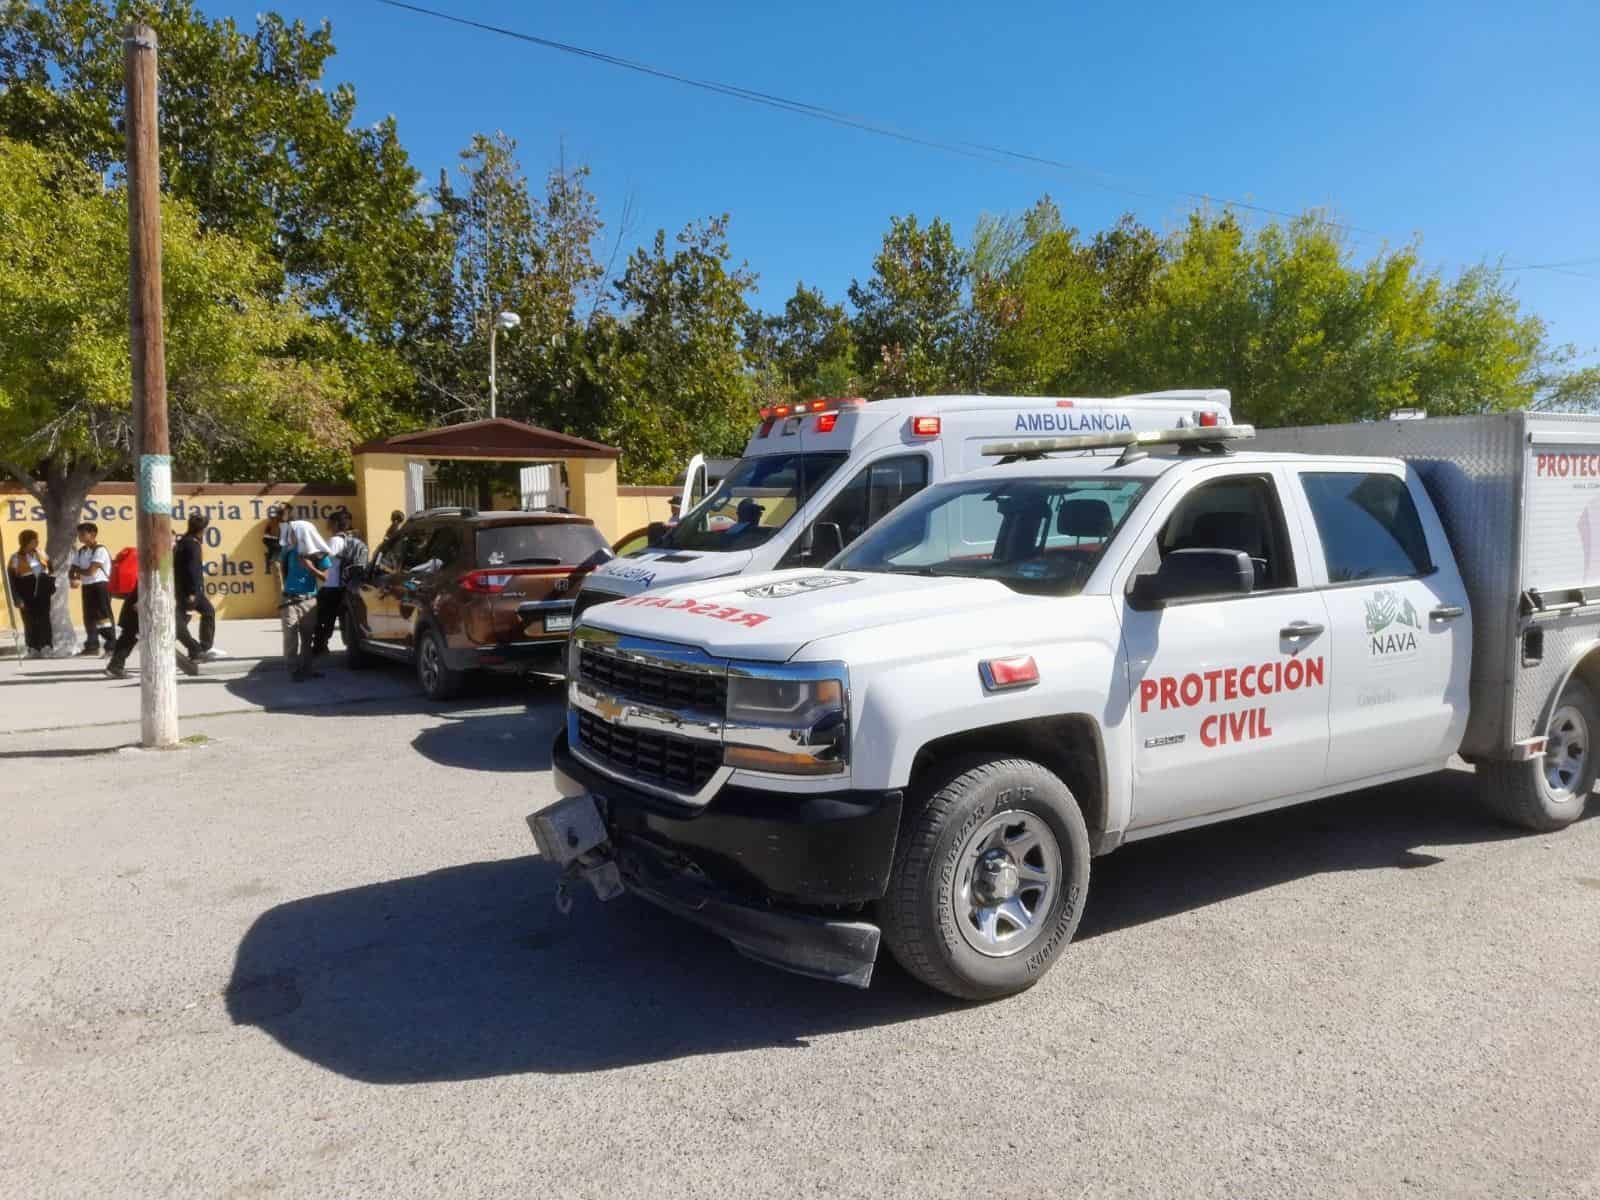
(1229, 692)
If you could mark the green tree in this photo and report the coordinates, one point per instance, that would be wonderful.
(65, 390)
(669, 363)
(909, 312)
(806, 350)
(511, 250)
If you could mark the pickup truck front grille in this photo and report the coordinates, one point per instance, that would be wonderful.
(663, 686)
(679, 764)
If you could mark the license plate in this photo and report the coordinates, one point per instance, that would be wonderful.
(567, 829)
(557, 622)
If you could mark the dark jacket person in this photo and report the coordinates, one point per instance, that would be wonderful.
(189, 577)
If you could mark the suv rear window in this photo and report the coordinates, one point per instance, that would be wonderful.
(555, 544)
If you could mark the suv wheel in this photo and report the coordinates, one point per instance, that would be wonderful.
(989, 879)
(438, 681)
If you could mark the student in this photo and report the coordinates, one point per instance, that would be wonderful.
(330, 596)
(32, 584)
(91, 570)
(270, 540)
(304, 568)
(128, 618)
(189, 576)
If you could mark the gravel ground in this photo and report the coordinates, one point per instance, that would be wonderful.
(315, 957)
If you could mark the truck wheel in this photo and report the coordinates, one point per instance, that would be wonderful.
(1550, 792)
(438, 681)
(989, 879)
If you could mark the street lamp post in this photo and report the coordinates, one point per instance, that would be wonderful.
(504, 320)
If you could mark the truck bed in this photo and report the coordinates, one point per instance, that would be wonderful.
(1519, 496)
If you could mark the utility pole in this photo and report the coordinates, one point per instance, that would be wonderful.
(158, 681)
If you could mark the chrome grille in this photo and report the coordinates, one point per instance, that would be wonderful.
(664, 686)
(676, 763)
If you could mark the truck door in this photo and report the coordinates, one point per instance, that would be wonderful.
(1397, 613)
(1229, 693)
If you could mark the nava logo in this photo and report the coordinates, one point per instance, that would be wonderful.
(1392, 624)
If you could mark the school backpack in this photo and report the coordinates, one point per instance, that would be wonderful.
(125, 573)
(354, 554)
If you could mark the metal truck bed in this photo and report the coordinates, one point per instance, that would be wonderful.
(1519, 496)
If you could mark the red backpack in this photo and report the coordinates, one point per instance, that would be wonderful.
(125, 573)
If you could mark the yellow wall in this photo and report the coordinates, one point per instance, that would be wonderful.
(235, 560)
(592, 491)
(636, 509)
(380, 490)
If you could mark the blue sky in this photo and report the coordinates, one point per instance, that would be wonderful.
(1473, 125)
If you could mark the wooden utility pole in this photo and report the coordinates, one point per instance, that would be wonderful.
(158, 681)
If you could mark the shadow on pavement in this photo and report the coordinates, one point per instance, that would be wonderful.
(469, 972)
(1373, 830)
(381, 690)
(501, 741)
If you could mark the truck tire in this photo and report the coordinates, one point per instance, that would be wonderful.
(1549, 792)
(989, 879)
(438, 681)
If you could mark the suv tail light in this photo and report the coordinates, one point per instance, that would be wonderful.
(490, 581)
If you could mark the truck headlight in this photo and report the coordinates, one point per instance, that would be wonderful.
(785, 722)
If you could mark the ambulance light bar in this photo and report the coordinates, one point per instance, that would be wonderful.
(1035, 447)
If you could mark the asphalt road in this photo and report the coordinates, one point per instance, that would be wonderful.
(316, 957)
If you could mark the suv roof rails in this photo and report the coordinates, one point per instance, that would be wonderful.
(1213, 438)
(449, 510)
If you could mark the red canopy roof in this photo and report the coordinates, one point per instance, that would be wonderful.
(499, 437)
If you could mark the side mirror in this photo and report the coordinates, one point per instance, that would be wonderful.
(1190, 574)
(656, 531)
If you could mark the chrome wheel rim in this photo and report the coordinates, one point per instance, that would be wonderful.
(1566, 752)
(1007, 876)
(429, 663)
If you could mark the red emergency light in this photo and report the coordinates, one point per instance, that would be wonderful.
(826, 422)
(1207, 420)
(1002, 674)
(925, 426)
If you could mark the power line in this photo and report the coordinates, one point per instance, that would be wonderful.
(981, 151)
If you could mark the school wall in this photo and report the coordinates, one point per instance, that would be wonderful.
(235, 562)
(638, 506)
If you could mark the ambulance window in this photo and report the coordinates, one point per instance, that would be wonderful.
(877, 489)
(1368, 524)
(1240, 512)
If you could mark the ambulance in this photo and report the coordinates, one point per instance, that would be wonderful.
(816, 475)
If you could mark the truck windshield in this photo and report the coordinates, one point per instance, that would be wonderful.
(1033, 534)
(753, 501)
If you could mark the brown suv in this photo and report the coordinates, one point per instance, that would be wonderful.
(456, 590)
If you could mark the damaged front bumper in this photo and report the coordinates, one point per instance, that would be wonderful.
(782, 876)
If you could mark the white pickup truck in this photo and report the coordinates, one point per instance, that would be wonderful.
(1024, 667)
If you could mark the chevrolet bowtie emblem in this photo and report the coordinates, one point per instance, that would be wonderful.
(611, 710)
